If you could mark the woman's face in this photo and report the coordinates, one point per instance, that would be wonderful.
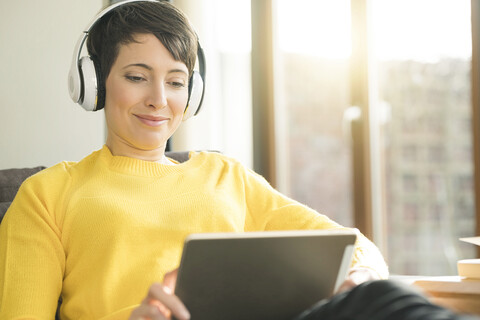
(146, 94)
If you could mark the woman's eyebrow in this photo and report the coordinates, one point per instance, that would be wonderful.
(149, 68)
(178, 70)
(141, 65)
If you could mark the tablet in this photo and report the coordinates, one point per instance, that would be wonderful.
(261, 275)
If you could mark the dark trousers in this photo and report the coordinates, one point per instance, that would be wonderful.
(380, 300)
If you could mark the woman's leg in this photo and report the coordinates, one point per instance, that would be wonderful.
(379, 300)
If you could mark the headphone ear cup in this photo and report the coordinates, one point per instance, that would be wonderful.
(100, 103)
(88, 77)
(93, 91)
(195, 95)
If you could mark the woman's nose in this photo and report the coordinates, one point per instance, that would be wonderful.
(157, 96)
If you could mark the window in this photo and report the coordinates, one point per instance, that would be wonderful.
(342, 64)
(423, 76)
(312, 95)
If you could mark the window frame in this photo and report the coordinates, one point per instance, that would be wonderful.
(475, 16)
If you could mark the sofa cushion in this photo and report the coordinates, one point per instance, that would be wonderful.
(180, 156)
(10, 181)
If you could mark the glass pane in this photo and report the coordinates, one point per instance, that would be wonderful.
(312, 93)
(423, 107)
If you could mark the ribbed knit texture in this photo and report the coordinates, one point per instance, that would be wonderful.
(101, 231)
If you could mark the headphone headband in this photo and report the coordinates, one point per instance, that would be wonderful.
(83, 77)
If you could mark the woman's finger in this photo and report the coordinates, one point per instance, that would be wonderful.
(163, 295)
(355, 277)
(147, 311)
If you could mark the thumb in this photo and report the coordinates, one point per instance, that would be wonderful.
(170, 280)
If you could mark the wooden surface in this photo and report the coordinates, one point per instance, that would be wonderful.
(456, 293)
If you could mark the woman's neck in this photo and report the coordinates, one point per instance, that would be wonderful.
(126, 150)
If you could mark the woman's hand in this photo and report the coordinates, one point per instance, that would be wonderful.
(357, 276)
(160, 302)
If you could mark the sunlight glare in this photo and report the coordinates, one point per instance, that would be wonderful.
(421, 29)
(235, 33)
(314, 27)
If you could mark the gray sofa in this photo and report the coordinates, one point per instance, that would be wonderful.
(10, 181)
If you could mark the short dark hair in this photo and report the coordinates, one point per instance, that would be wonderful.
(160, 18)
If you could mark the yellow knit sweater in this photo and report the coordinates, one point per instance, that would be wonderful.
(99, 232)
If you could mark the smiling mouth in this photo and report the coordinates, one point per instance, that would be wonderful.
(151, 121)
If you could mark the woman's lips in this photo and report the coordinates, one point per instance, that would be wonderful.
(152, 121)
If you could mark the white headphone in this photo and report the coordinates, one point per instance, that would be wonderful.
(84, 75)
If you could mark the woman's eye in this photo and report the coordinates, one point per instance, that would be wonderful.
(135, 78)
(177, 84)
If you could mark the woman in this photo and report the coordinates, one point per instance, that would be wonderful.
(103, 232)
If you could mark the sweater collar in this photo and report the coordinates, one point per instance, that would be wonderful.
(142, 167)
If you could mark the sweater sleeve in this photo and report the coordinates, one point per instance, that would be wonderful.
(32, 259)
(270, 210)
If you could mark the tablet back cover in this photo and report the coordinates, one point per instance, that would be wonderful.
(261, 275)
